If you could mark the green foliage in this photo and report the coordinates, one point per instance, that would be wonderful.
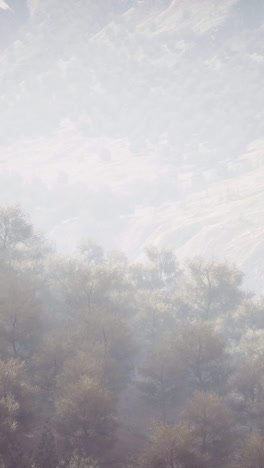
(213, 425)
(15, 230)
(161, 272)
(205, 358)
(164, 379)
(212, 288)
(173, 447)
(93, 349)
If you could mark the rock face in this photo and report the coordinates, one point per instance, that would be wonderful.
(154, 112)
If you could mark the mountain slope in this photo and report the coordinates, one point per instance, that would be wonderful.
(137, 121)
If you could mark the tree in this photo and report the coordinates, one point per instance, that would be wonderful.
(252, 344)
(15, 457)
(15, 230)
(17, 405)
(109, 339)
(212, 288)
(55, 349)
(20, 316)
(173, 447)
(91, 252)
(165, 265)
(78, 286)
(20, 246)
(205, 359)
(46, 455)
(163, 380)
(161, 272)
(154, 319)
(213, 425)
(85, 415)
(251, 454)
(250, 314)
(249, 382)
(95, 317)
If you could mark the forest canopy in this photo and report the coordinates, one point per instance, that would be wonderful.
(106, 362)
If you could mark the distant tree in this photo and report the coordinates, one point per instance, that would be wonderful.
(163, 380)
(212, 288)
(249, 383)
(204, 357)
(15, 456)
(173, 447)
(166, 265)
(213, 425)
(18, 240)
(46, 454)
(47, 363)
(85, 415)
(251, 454)
(91, 252)
(110, 338)
(252, 344)
(250, 314)
(14, 228)
(18, 408)
(79, 286)
(20, 316)
(153, 319)
(161, 272)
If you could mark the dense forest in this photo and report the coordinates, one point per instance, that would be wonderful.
(109, 363)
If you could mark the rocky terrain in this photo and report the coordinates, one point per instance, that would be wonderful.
(137, 122)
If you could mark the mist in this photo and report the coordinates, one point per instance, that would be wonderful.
(131, 233)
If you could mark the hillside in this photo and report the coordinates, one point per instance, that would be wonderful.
(137, 122)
